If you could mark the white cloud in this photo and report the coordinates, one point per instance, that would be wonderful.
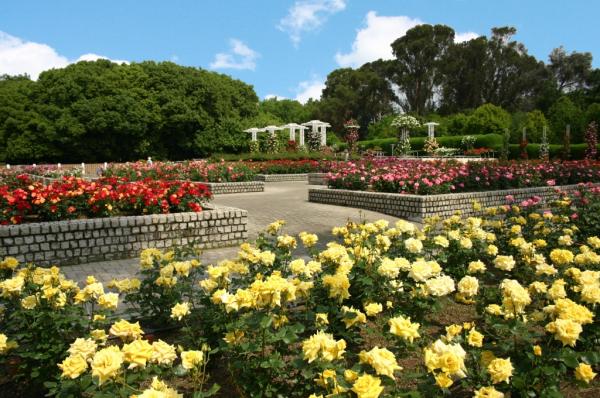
(18, 56)
(240, 57)
(374, 40)
(308, 15)
(274, 96)
(308, 89)
(466, 36)
(96, 57)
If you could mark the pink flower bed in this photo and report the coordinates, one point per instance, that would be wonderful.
(439, 177)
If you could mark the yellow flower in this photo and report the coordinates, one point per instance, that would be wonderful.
(367, 386)
(439, 286)
(73, 366)
(323, 345)
(234, 337)
(99, 335)
(12, 286)
(475, 339)
(441, 241)
(413, 245)
(382, 360)
(352, 316)
(537, 350)
(505, 263)
(468, 286)
(85, 348)
(491, 250)
(500, 370)
(373, 309)
(308, 240)
(561, 256)
(443, 381)
(286, 241)
(565, 330)
(338, 285)
(180, 310)
(488, 392)
(584, 373)
(476, 267)
(126, 330)
(321, 319)
(449, 358)
(9, 263)
(350, 376)
(163, 353)
(29, 302)
(191, 359)
(109, 301)
(404, 328)
(275, 226)
(106, 364)
(137, 353)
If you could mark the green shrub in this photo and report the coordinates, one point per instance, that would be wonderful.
(493, 141)
(271, 156)
(533, 151)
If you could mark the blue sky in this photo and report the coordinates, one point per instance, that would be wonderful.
(283, 48)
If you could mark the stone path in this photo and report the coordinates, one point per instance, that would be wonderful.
(281, 200)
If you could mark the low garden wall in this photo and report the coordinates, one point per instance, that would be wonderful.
(100, 239)
(317, 179)
(219, 188)
(281, 177)
(419, 207)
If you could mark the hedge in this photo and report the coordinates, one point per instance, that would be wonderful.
(271, 156)
(533, 151)
(493, 141)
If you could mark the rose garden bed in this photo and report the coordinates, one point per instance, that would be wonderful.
(419, 207)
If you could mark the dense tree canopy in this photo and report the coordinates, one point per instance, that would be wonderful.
(103, 111)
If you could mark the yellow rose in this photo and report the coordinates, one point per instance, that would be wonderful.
(373, 309)
(404, 328)
(109, 301)
(488, 392)
(137, 353)
(475, 339)
(308, 240)
(106, 364)
(73, 366)
(163, 353)
(126, 330)
(382, 360)
(565, 330)
(85, 348)
(191, 359)
(180, 310)
(29, 302)
(584, 373)
(537, 350)
(443, 380)
(9, 263)
(500, 370)
(367, 386)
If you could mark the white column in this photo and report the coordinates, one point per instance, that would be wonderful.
(292, 134)
(302, 135)
(323, 135)
(253, 135)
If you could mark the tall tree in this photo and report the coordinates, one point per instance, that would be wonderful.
(419, 54)
(571, 71)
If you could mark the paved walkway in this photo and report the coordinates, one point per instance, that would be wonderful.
(281, 200)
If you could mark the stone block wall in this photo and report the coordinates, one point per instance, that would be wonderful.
(419, 207)
(101, 239)
(317, 179)
(281, 177)
(219, 188)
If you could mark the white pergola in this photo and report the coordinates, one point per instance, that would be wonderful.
(293, 127)
(272, 129)
(253, 131)
(431, 129)
(320, 127)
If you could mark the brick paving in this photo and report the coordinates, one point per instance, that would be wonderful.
(280, 200)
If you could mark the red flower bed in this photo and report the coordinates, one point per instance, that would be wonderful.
(72, 198)
(438, 177)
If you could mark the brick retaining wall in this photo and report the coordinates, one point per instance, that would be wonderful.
(281, 177)
(100, 239)
(317, 179)
(419, 207)
(218, 188)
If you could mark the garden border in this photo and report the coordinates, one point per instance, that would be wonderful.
(418, 207)
(82, 241)
(281, 177)
(317, 178)
(220, 188)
